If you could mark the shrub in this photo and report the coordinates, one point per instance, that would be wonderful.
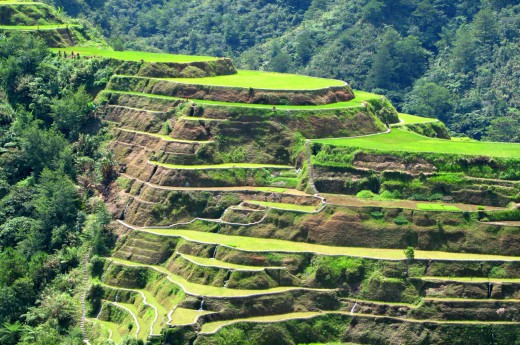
(400, 220)
(377, 215)
(366, 194)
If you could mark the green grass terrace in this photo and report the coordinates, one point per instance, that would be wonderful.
(7, 2)
(361, 98)
(252, 244)
(134, 55)
(407, 119)
(36, 27)
(264, 80)
(400, 140)
(223, 166)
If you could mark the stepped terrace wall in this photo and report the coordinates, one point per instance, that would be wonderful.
(222, 66)
(387, 228)
(164, 87)
(491, 181)
(28, 14)
(58, 37)
(354, 328)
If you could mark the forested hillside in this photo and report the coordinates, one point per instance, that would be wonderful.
(455, 60)
(51, 175)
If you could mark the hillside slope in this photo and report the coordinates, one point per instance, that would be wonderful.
(462, 54)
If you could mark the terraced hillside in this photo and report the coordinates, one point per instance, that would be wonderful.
(241, 220)
(39, 19)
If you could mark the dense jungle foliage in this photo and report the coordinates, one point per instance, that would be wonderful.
(52, 178)
(455, 60)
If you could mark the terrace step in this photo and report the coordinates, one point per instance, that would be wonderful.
(470, 279)
(285, 206)
(184, 316)
(194, 289)
(351, 200)
(326, 92)
(111, 327)
(212, 262)
(213, 327)
(275, 190)
(150, 300)
(221, 104)
(222, 166)
(250, 244)
(166, 137)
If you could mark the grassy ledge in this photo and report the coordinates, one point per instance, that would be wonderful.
(407, 119)
(36, 27)
(183, 316)
(283, 206)
(207, 290)
(226, 265)
(471, 279)
(163, 136)
(135, 55)
(264, 80)
(361, 98)
(223, 166)
(252, 244)
(399, 140)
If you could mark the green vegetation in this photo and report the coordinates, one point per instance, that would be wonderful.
(212, 327)
(283, 206)
(272, 245)
(51, 167)
(407, 119)
(399, 140)
(223, 166)
(35, 27)
(164, 136)
(222, 264)
(289, 275)
(437, 59)
(264, 80)
(437, 207)
(183, 316)
(111, 327)
(134, 55)
(473, 279)
(203, 290)
(361, 98)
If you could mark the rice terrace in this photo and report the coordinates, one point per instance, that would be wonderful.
(218, 205)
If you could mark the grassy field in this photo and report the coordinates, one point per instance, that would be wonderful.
(407, 119)
(399, 140)
(252, 244)
(264, 80)
(361, 97)
(35, 27)
(223, 166)
(283, 206)
(437, 207)
(135, 55)
(183, 316)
